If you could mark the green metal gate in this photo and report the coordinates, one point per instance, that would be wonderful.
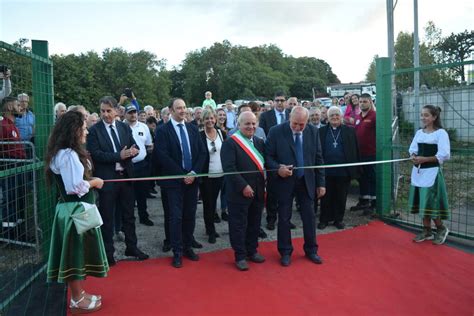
(398, 118)
(27, 204)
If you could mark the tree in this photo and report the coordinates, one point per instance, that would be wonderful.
(457, 48)
(371, 75)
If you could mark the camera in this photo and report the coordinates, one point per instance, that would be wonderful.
(128, 92)
(3, 68)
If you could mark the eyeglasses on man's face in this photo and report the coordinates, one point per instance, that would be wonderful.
(280, 100)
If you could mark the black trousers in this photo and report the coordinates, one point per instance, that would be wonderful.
(166, 213)
(244, 225)
(121, 197)
(182, 204)
(333, 204)
(142, 188)
(210, 188)
(271, 202)
(296, 188)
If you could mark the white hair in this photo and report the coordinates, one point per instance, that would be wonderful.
(334, 109)
(59, 105)
(148, 108)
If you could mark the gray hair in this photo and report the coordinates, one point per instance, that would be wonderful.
(334, 109)
(299, 109)
(59, 105)
(148, 107)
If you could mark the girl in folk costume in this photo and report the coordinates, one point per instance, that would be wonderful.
(73, 256)
(428, 197)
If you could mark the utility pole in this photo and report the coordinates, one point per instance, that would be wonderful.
(390, 48)
(416, 64)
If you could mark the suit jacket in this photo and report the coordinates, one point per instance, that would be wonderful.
(205, 168)
(102, 151)
(268, 120)
(168, 154)
(349, 145)
(280, 149)
(234, 159)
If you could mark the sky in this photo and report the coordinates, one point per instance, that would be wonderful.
(346, 34)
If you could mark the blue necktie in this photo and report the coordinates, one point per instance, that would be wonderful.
(282, 118)
(299, 155)
(188, 163)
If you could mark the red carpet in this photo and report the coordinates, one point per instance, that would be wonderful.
(369, 270)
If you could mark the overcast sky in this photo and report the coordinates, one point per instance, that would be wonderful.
(346, 34)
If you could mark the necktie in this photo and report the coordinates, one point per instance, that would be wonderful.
(188, 164)
(115, 139)
(282, 118)
(299, 155)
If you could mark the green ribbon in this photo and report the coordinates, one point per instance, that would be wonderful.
(220, 174)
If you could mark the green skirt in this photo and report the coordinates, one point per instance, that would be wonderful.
(431, 201)
(73, 256)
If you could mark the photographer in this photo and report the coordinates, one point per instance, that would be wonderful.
(128, 94)
(5, 74)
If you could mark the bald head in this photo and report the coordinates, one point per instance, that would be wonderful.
(247, 124)
(298, 118)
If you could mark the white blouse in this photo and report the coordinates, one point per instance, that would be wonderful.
(67, 164)
(215, 164)
(426, 177)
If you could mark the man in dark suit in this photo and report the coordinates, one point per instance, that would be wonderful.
(112, 148)
(245, 192)
(180, 151)
(267, 120)
(296, 144)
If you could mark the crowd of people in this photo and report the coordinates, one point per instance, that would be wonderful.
(255, 157)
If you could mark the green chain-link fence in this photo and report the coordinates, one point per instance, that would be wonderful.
(398, 118)
(27, 204)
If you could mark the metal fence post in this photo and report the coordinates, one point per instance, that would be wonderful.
(42, 82)
(383, 135)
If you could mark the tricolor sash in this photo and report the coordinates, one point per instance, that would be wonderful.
(249, 148)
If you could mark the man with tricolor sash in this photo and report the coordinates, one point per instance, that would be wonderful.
(242, 155)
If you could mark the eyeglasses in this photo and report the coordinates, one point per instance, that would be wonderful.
(280, 100)
(214, 149)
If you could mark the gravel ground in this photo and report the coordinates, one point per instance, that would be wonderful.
(150, 238)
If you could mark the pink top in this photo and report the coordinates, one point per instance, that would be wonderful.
(351, 113)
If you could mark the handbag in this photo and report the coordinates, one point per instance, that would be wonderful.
(87, 219)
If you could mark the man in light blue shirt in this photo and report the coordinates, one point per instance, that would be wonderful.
(26, 122)
(231, 115)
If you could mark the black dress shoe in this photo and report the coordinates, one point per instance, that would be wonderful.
(285, 260)
(111, 261)
(257, 258)
(340, 225)
(166, 246)
(191, 255)
(242, 265)
(212, 238)
(314, 258)
(224, 216)
(322, 225)
(217, 219)
(196, 244)
(271, 225)
(262, 233)
(177, 262)
(292, 226)
(146, 221)
(140, 255)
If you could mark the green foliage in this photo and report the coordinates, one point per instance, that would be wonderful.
(371, 74)
(453, 134)
(230, 72)
(234, 72)
(407, 129)
(457, 48)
